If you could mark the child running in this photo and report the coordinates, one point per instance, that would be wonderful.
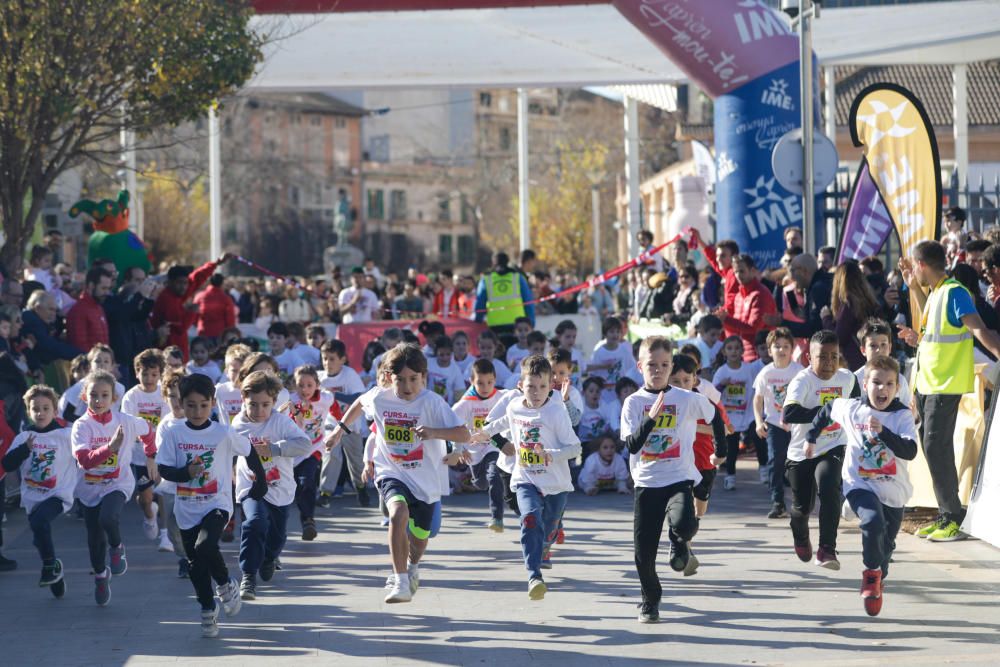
(73, 403)
(277, 440)
(411, 424)
(308, 408)
(490, 348)
(770, 389)
(815, 467)
(444, 377)
(519, 350)
(170, 387)
(659, 424)
(565, 339)
(876, 341)
(339, 378)
(196, 454)
(201, 360)
(544, 439)
(102, 445)
(612, 357)
(604, 470)
(44, 456)
(228, 399)
(735, 381)
(460, 352)
(881, 436)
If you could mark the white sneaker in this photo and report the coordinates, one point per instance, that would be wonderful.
(210, 623)
(846, 513)
(229, 595)
(400, 592)
(165, 544)
(765, 475)
(692, 565)
(413, 571)
(390, 581)
(729, 483)
(149, 527)
(536, 589)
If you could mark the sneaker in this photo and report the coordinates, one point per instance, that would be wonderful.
(692, 564)
(729, 482)
(846, 512)
(931, 527)
(118, 563)
(536, 589)
(324, 500)
(51, 574)
(149, 527)
(560, 536)
(248, 587)
(947, 532)
(679, 556)
(58, 589)
(384, 522)
(804, 550)
(228, 533)
(390, 581)
(364, 500)
(7, 564)
(102, 589)
(765, 475)
(277, 565)
(648, 613)
(398, 593)
(183, 568)
(229, 594)
(210, 622)
(413, 572)
(165, 544)
(266, 570)
(309, 530)
(827, 557)
(777, 511)
(871, 591)
(496, 526)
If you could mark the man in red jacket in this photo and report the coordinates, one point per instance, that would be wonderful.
(86, 324)
(173, 306)
(720, 258)
(751, 303)
(216, 309)
(446, 301)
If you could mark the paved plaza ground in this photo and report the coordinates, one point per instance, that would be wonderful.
(752, 601)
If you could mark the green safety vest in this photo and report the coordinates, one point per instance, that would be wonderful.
(944, 356)
(503, 298)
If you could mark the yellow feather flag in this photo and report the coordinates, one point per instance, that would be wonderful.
(902, 154)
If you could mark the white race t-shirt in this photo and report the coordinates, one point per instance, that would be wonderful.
(772, 385)
(445, 381)
(150, 406)
(165, 485)
(309, 355)
(736, 387)
(278, 470)
(473, 412)
(363, 309)
(506, 461)
(605, 418)
(347, 381)
(399, 453)
(807, 390)
(515, 355)
(309, 415)
(596, 474)
(465, 365)
(548, 428)
(288, 361)
(214, 447)
(621, 361)
(50, 471)
(211, 370)
(869, 464)
(229, 400)
(903, 392)
(667, 457)
(114, 473)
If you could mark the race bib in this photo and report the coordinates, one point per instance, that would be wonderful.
(104, 473)
(527, 456)
(404, 447)
(478, 423)
(828, 394)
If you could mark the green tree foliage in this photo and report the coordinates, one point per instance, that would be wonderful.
(73, 73)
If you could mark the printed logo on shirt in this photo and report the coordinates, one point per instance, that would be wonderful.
(529, 454)
(877, 463)
(272, 474)
(203, 486)
(40, 474)
(780, 390)
(401, 439)
(302, 413)
(439, 385)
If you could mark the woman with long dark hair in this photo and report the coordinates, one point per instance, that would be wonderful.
(852, 302)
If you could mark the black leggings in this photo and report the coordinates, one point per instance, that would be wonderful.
(201, 544)
(675, 503)
(102, 528)
(822, 475)
(306, 482)
(508, 493)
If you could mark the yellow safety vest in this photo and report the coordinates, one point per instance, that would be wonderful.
(944, 356)
(503, 298)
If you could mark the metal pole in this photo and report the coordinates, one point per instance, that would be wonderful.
(523, 193)
(634, 212)
(807, 108)
(830, 111)
(129, 181)
(960, 112)
(595, 206)
(214, 184)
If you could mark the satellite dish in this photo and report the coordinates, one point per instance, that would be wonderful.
(786, 161)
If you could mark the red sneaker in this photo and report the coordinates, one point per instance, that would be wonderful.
(871, 591)
(227, 532)
(804, 551)
(560, 536)
(827, 557)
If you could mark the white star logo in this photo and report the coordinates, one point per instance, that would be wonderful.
(895, 130)
(779, 86)
(762, 191)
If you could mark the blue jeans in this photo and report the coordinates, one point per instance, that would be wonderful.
(540, 517)
(777, 452)
(879, 527)
(263, 533)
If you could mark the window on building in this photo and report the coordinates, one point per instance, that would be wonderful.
(376, 205)
(505, 138)
(466, 249)
(340, 123)
(444, 208)
(485, 99)
(463, 205)
(535, 108)
(293, 195)
(315, 120)
(397, 205)
(444, 248)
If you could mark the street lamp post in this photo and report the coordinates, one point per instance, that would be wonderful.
(596, 178)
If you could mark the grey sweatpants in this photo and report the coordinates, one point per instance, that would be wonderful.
(351, 447)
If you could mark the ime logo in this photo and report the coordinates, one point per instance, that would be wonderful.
(777, 95)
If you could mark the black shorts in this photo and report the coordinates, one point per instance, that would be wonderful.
(703, 490)
(142, 480)
(421, 513)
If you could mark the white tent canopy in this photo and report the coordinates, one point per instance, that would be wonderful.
(574, 46)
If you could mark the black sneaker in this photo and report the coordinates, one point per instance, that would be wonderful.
(649, 613)
(183, 568)
(309, 530)
(58, 589)
(679, 554)
(51, 574)
(248, 587)
(323, 500)
(7, 564)
(267, 570)
(777, 511)
(364, 500)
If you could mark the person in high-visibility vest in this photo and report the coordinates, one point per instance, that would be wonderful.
(502, 296)
(945, 371)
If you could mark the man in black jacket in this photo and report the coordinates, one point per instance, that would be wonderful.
(128, 320)
(818, 286)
